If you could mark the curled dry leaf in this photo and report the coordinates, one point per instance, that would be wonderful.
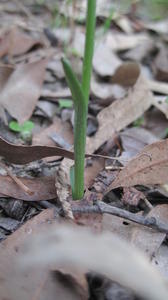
(149, 167)
(68, 246)
(19, 154)
(19, 94)
(121, 113)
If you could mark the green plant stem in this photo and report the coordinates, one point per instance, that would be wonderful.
(77, 173)
(89, 47)
(81, 116)
(80, 95)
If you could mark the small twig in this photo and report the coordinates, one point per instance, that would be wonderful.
(103, 208)
(22, 186)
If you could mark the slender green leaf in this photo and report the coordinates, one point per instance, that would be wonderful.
(79, 129)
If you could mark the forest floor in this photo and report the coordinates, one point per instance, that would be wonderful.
(113, 243)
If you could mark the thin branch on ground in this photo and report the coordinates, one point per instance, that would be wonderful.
(103, 208)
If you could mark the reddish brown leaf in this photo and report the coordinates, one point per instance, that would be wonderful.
(42, 188)
(149, 167)
(19, 154)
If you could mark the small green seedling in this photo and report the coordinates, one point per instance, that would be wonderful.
(24, 129)
(65, 103)
(80, 95)
(138, 122)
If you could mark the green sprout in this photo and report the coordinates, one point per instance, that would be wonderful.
(24, 129)
(65, 103)
(80, 95)
(139, 122)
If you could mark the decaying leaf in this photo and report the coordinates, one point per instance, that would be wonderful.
(126, 74)
(19, 154)
(139, 52)
(161, 103)
(21, 91)
(107, 90)
(121, 113)
(105, 62)
(120, 41)
(161, 64)
(66, 246)
(135, 139)
(149, 240)
(16, 42)
(149, 167)
(41, 188)
(158, 86)
(59, 127)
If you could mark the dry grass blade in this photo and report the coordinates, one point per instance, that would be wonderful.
(66, 246)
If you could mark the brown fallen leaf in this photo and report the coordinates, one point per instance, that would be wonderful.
(55, 95)
(121, 113)
(59, 127)
(135, 139)
(107, 90)
(19, 154)
(126, 74)
(161, 103)
(149, 167)
(160, 64)
(153, 117)
(158, 86)
(16, 42)
(138, 53)
(105, 62)
(21, 91)
(42, 188)
(120, 41)
(149, 240)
